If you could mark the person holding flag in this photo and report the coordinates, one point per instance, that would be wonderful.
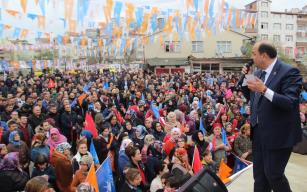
(219, 143)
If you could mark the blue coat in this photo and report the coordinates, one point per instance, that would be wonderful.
(279, 120)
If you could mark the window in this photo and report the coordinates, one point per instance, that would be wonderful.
(276, 38)
(264, 37)
(288, 51)
(197, 46)
(289, 38)
(223, 46)
(264, 25)
(289, 26)
(264, 14)
(277, 26)
(172, 47)
(264, 4)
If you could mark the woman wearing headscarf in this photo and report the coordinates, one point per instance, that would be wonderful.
(171, 122)
(39, 146)
(122, 157)
(55, 138)
(81, 174)
(181, 169)
(16, 145)
(61, 161)
(82, 151)
(154, 156)
(127, 127)
(140, 132)
(200, 142)
(158, 132)
(12, 177)
(3, 151)
(149, 139)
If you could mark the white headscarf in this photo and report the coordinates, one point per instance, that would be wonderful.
(124, 144)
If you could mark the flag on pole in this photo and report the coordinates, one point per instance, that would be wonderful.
(89, 125)
(196, 164)
(91, 178)
(94, 153)
(81, 98)
(224, 171)
(104, 173)
(155, 111)
(239, 165)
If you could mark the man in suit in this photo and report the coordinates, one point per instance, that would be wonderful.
(275, 120)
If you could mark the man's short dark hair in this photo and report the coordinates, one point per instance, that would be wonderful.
(269, 49)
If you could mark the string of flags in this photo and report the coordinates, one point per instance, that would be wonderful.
(123, 26)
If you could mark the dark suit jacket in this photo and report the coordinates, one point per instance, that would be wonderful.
(279, 120)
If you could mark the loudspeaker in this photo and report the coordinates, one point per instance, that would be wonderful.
(204, 181)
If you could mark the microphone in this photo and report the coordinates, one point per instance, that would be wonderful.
(240, 81)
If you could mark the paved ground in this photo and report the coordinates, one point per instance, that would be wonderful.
(296, 172)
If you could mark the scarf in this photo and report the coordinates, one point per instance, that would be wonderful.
(61, 138)
(12, 138)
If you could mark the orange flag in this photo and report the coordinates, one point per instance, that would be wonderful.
(12, 12)
(81, 98)
(191, 87)
(72, 25)
(41, 21)
(69, 6)
(23, 4)
(196, 164)
(24, 33)
(36, 1)
(189, 3)
(91, 178)
(224, 171)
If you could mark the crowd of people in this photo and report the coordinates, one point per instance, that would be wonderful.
(147, 125)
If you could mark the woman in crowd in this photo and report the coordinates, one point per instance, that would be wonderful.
(44, 169)
(16, 145)
(158, 132)
(171, 122)
(81, 174)
(61, 160)
(12, 177)
(219, 147)
(127, 127)
(140, 133)
(133, 180)
(39, 147)
(38, 184)
(243, 144)
(149, 139)
(55, 138)
(135, 161)
(3, 151)
(181, 169)
(82, 151)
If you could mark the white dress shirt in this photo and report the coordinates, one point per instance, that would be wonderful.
(269, 94)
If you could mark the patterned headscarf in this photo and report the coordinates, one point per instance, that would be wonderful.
(10, 162)
(12, 138)
(62, 147)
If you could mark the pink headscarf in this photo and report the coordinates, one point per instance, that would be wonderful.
(61, 138)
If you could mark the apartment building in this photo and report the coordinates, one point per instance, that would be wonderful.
(219, 52)
(279, 27)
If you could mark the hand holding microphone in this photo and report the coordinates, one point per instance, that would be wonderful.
(245, 70)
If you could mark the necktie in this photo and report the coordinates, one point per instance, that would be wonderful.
(254, 115)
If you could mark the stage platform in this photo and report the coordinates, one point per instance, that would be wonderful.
(296, 172)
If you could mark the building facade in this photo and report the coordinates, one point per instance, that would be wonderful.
(279, 27)
(211, 53)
